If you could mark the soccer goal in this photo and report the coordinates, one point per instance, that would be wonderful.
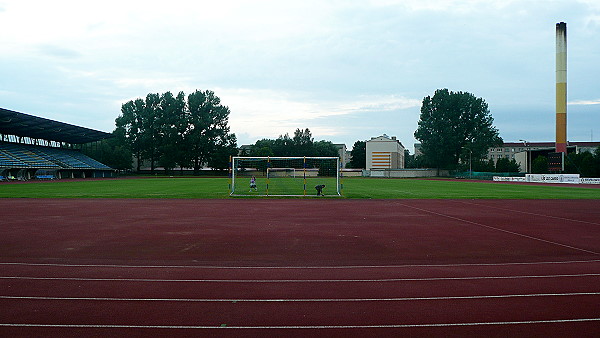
(284, 176)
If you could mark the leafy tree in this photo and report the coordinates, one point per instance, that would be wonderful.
(539, 165)
(284, 146)
(359, 155)
(219, 159)
(409, 160)
(263, 147)
(264, 151)
(504, 165)
(302, 144)
(487, 166)
(451, 121)
(128, 126)
(114, 152)
(169, 131)
(597, 162)
(587, 165)
(173, 126)
(325, 149)
(208, 129)
(583, 163)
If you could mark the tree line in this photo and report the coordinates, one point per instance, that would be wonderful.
(172, 131)
(189, 132)
(455, 129)
(301, 144)
(586, 164)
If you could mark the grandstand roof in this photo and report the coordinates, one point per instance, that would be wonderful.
(19, 124)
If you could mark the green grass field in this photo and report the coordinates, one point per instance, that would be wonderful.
(353, 188)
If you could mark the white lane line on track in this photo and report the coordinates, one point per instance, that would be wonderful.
(384, 326)
(81, 279)
(293, 267)
(400, 299)
(530, 213)
(501, 230)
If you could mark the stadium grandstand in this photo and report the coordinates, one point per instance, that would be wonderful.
(32, 147)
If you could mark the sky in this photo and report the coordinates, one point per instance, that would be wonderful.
(348, 70)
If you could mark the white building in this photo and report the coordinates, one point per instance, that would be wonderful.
(384, 152)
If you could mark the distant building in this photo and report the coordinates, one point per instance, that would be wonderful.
(525, 152)
(384, 152)
(510, 149)
(418, 151)
(244, 150)
(342, 153)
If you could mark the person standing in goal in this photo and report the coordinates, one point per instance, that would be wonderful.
(320, 189)
(253, 183)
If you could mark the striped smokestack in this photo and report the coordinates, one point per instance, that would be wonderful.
(561, 87)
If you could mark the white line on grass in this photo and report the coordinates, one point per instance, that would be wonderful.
(384, 326)
(82, 279)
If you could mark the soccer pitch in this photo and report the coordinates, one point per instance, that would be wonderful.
(364, 188)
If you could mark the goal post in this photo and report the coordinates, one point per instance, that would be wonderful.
(284, 176)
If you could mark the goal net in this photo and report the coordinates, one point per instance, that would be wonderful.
(284, 176)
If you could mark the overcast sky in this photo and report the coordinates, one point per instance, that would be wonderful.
(347, 70)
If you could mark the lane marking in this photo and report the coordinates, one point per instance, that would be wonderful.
(293, 267)
(501, 230)
(530, 213)
(340, 300)
(81, 279)
(384, 326)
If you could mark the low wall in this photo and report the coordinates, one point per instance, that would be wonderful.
(550, 178)
(405, 173)
(352, 172)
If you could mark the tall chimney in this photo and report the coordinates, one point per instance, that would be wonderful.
(561, 87)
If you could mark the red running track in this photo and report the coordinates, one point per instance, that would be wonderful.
(105, 267)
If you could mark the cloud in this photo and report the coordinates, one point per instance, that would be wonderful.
(584, 102)
(58, 51)
(156, 83)
(268, 113)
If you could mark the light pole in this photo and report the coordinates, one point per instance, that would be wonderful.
(470, 168)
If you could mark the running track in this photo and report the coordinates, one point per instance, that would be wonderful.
(334, 267)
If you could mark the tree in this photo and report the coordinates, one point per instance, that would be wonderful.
(149, 132)
(302, 144)
(226, 148)
(114, 151)
(359, 155)
(539, 165)
(504, 165)
(597, 162)
(487, 166)
(169, 131)
(208, 127)
(452, 121)
(325, 149)
(173, 126)
(128, 126)
(583, 163)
